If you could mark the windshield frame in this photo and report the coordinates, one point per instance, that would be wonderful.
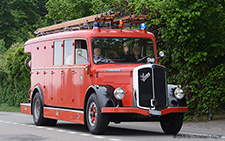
(153, 54)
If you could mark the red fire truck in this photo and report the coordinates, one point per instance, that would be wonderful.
(91, 72)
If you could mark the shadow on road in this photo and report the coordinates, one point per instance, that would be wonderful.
(111, 131)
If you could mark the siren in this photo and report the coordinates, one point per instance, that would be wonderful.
(143, 26)
(96, 25)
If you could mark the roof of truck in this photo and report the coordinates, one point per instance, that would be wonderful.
(90, 33)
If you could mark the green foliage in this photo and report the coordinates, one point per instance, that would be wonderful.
(211, 97)
(16, 83)
(103, 5)
(193, 38)
(63, 10)
(19, 19)
(6, 108)
(2, 60)
(68, 9)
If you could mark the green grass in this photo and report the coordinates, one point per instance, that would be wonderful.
(6, 108)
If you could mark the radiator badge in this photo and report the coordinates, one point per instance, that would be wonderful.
(144, 77)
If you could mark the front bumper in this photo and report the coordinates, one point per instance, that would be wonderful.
(126, 110)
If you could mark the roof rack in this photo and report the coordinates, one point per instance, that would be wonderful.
(106, 20)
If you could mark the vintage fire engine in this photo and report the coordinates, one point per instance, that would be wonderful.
(97, 70)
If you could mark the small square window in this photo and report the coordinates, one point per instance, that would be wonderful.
(58, 53)
(81, 52)
(68, 52)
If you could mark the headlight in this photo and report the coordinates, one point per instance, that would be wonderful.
(179, 93)
(119, 93)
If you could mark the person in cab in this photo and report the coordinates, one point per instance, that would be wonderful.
(97, 58)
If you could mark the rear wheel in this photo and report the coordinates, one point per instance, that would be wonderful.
(171, 123)
(37, 109)
(96, 121)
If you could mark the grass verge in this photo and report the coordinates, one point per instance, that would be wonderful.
(6, 108)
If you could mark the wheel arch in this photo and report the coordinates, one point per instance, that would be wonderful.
(104, 95)
(35, 90)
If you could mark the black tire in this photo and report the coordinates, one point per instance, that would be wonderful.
(37, 109)
(172, 123)
(96, 122)
(51, 122)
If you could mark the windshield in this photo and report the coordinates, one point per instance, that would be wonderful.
(122, 50)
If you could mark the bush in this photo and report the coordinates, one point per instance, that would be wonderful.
(15, 85)
(192, 35)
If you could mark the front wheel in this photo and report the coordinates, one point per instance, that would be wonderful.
(96, 121)
(172, 123)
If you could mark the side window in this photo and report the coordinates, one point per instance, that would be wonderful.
(58, 53)
(68, 52)
(81, 52)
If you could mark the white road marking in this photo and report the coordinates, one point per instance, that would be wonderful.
(14, 123)
(22, 124)
(115, 139)
(62, 131)
(50, 129)
(31, 126)
(8, 122)
(86, 135)
(98, 137)
(40, 127)
(71, 132)
(20, 115)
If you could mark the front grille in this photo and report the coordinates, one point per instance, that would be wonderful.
(152, 87)
(160, 88)
(145, 87)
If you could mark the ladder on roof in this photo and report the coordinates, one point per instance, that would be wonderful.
(106, 20)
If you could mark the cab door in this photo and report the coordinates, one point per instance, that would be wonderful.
(81, 78)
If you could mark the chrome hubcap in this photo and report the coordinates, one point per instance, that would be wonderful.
(36, 109)
(92, 116)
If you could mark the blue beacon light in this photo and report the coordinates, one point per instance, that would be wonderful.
(143, 26)
(96, 25)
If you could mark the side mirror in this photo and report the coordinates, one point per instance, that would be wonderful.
(161, 54)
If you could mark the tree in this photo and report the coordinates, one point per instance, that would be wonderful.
(68, 9)
(15, 81)
(193, 37)
(19, 19)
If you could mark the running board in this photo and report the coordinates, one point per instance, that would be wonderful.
(64, 114)
(57, 113)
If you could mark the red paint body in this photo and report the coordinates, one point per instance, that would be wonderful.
(65, 86)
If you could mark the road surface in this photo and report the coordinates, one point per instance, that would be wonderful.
(20, 127)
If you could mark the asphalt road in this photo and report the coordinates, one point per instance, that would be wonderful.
(20, 127)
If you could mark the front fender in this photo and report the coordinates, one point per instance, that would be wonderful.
(35, 90)
(173, 102)
(104, 95)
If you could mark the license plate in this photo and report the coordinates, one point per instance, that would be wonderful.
(155, 112)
